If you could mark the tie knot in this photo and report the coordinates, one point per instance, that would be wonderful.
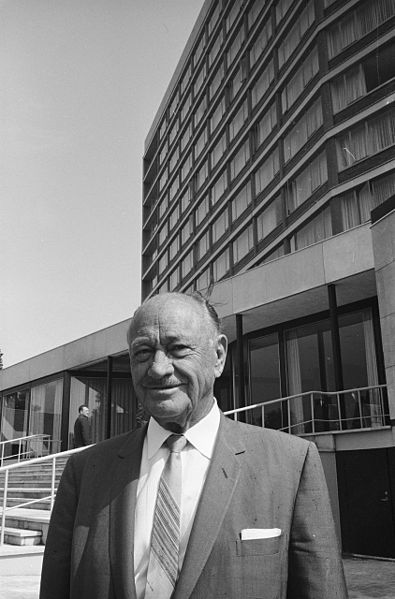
(176, 443)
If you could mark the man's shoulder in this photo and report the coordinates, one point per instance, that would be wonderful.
(252, 435)
(108, 448)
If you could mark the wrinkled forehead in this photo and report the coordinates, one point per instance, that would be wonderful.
(170, 314)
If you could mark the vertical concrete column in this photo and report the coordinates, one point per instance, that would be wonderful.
(383, 237)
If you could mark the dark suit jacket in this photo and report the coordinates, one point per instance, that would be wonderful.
(258, 478)
(82, 431)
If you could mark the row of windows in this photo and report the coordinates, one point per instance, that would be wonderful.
(348, 29)
(360, 79)
(340, 214)
(366, 138)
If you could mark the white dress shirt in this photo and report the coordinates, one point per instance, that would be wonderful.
(195, 460)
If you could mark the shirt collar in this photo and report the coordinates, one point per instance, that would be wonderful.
(201, 435)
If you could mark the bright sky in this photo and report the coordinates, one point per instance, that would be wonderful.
(80, 83)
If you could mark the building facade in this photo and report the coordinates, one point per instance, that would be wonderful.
(272, 148)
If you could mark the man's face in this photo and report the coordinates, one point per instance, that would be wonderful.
(85, 412)
(175, 355)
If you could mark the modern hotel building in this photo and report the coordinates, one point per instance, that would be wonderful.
(269, 184)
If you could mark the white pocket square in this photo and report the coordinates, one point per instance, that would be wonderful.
(259, 533)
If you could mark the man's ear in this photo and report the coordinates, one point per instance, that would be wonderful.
(221, 351)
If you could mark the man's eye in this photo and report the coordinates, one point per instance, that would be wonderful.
(179, 350)
(142, 354)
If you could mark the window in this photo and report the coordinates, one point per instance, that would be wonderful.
(302, 187)
(200, 78)
(362, 78)
(267, 171)
(266, 124)
(162, 128)
(199, 50)
(221, 265)
(241, 201)
(202, 210)
(243, 244)
(269, 218)
(214, 17)
(220, 225)
(174, 104)
(202, 246)
(163, 206)
(173, 131)
(219, 187)
(201, 175)
(203, 282)
(174, 279)
(174, 248)
(317, 229)
(236, 82)
(200, 110)
(174, 158)
(232, 14)
(363, 19)
(238, 120)
(163, 153)
(298, 30)
(185, 108)
(299, 81)
(254, 13)
(366, 139)
(187, 264)
(240, 159)
(216, 47)
(261, 42)
(163, 234)
(186, 167)
(163, 180)
(303, 130)
(200, 143)
(174, 187)
(235, 46)
(186, 136)
(185, 79)
(217, 115)
(162, 264)
(216, 81)
(262, 84)
(174, 216)
(187, 231)
(354, 208)
(185, 200)
(282, 7)
(218, 151)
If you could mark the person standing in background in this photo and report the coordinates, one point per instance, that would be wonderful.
(82, 428)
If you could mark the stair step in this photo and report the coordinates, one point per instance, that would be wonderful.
(18, 536)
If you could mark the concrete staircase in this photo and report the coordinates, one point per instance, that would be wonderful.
(27, 525)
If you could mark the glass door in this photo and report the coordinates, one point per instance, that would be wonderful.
(14, 419)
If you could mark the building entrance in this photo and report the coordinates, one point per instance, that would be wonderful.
(366, 480)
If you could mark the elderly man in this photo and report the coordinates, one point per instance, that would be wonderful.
(194, 505)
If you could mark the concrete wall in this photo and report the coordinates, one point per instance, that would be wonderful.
(383, 236)
(81, 352)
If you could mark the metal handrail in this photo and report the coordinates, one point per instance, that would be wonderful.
(343, 421)
(7, 469)
(25, 446)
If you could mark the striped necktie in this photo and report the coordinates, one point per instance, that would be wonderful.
(165, 541)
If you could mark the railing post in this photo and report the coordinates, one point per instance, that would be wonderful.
(312, 412)
(53, 482)
(360, 409)
(339, 411)
(19, 450)
(4, 507)
(289, 415)
(2, 453)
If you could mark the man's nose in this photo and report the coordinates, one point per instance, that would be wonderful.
(161, 365)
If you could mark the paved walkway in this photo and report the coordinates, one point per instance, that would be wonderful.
(366, 579)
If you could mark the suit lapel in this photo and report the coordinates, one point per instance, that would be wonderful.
(216, 496)
(124, 480)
